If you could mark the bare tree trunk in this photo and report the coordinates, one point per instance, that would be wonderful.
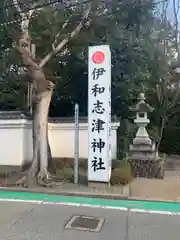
(41, 97)
(38, 171)
(161, 132)
(35, 165)
(43, 128)
(51, 165)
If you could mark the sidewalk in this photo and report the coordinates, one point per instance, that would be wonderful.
(167, 189)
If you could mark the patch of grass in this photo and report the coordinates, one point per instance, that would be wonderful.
(69, 163)
(65, 174)
(83, 163)
(61, 163)
(116, 163)
(121, 174)
(121, 171)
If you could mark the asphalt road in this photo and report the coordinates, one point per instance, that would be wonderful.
(28, 221)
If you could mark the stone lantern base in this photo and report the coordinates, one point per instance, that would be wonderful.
(147, 168)
(144, 161)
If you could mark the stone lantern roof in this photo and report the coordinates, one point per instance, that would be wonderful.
(142, 106)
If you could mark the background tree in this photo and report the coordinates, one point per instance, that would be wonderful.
(166, 93)
(42, 82)
(137, 33)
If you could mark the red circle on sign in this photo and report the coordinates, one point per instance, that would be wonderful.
(98, 57)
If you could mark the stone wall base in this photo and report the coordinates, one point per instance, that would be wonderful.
(147, 168)
(99, 185)
(8, 169)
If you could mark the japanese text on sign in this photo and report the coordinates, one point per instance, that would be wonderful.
(99, 113)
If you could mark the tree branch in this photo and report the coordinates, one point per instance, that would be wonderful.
(27, 59)
(16, 5)
(74, 33)
(24, 16)
(176, 12)
(58, 35)
(175, 100)
(174, 112)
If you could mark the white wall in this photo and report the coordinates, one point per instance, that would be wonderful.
(61, 138)
(11, 151)
(16, 141)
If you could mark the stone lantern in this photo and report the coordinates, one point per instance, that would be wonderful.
(141, 109)
(143, 156)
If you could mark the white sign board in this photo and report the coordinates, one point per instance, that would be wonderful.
(99, 113)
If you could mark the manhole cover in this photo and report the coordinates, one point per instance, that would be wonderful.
(85, 223)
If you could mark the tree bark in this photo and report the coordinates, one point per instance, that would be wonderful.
(51, 165)
(41, 97)
(42, 160)
(161, 133)
(35, 165)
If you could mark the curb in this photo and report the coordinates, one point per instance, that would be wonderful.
(72, 193)
(154, 200)
(69, 193)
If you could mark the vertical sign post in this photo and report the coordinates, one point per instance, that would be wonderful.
(76, 143)
(99, 113)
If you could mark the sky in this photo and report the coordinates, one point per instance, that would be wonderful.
(170, 9)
